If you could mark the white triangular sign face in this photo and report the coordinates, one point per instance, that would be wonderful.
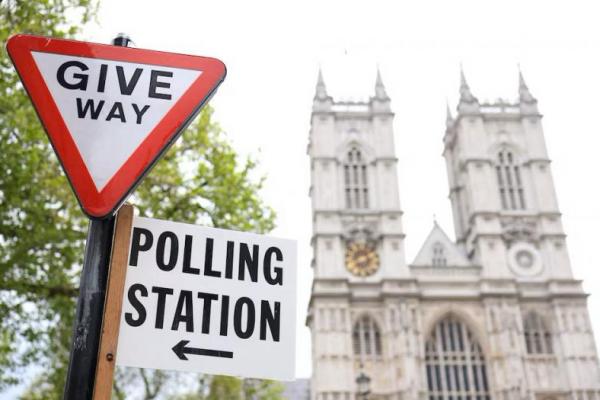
(115, 106)
(110, 112)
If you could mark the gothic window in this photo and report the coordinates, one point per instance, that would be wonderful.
(510, 184)
(366, 338)
(538, 338)
(438, 255)
(455, 364)
(356, 190)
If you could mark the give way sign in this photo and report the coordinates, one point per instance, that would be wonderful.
(109, 111)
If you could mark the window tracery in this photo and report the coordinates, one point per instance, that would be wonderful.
(510, 184)
(438, 255)
(356, 190)
(455, 363)
(366, 338)
(538, 338)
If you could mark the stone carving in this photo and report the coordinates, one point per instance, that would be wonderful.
(519, 229)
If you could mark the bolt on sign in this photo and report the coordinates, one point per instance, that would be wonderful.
(208, 300)
(110, 112)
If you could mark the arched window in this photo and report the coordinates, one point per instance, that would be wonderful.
(538, 338)
(438, 255)
(455, 363)
(510, 184)
(366, 338)
(356, 189)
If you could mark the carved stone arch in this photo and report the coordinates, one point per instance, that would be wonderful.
(544, 319)
(477, 327)
(455, 360)
(367, 335)
(508, 162)
(518, 152)
(343, 148)
(354, 159)
(537, 333)
(376, 316)
(515, 148)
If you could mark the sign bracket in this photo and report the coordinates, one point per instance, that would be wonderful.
(114, 300)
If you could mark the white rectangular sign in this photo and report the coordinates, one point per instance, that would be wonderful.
(209, 300)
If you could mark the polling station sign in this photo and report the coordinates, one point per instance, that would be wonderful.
(208, 300)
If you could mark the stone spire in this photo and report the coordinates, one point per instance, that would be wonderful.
(449, 118)
(380, 92)
(465, 91)
(322, 101)
(321, 90)
(380, 103)
(525, 95)
(527, 103)
(467, 103)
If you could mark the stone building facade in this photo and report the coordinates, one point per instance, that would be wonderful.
(495, 315)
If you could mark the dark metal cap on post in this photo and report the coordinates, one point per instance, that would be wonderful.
(122, 39)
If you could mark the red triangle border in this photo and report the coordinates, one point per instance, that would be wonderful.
(100, 204)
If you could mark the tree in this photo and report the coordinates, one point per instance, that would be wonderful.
(226, 387)
(42, 230)
(200, 180)
(261, 389)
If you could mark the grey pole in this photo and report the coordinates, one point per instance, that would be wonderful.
(90, 304)
(90, 309)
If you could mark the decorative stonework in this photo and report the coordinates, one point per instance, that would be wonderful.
(359, 230)
(516, 229)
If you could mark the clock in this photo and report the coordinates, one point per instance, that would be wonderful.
(361, 259)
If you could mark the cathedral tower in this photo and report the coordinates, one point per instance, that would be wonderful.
(507, 221)
(357, 238)
(496, 315)
(506, 215)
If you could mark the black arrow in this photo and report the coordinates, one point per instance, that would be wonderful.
(181, 350)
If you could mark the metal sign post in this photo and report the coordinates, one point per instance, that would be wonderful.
(90, 305)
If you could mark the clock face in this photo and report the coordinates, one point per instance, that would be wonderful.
(361, 259)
